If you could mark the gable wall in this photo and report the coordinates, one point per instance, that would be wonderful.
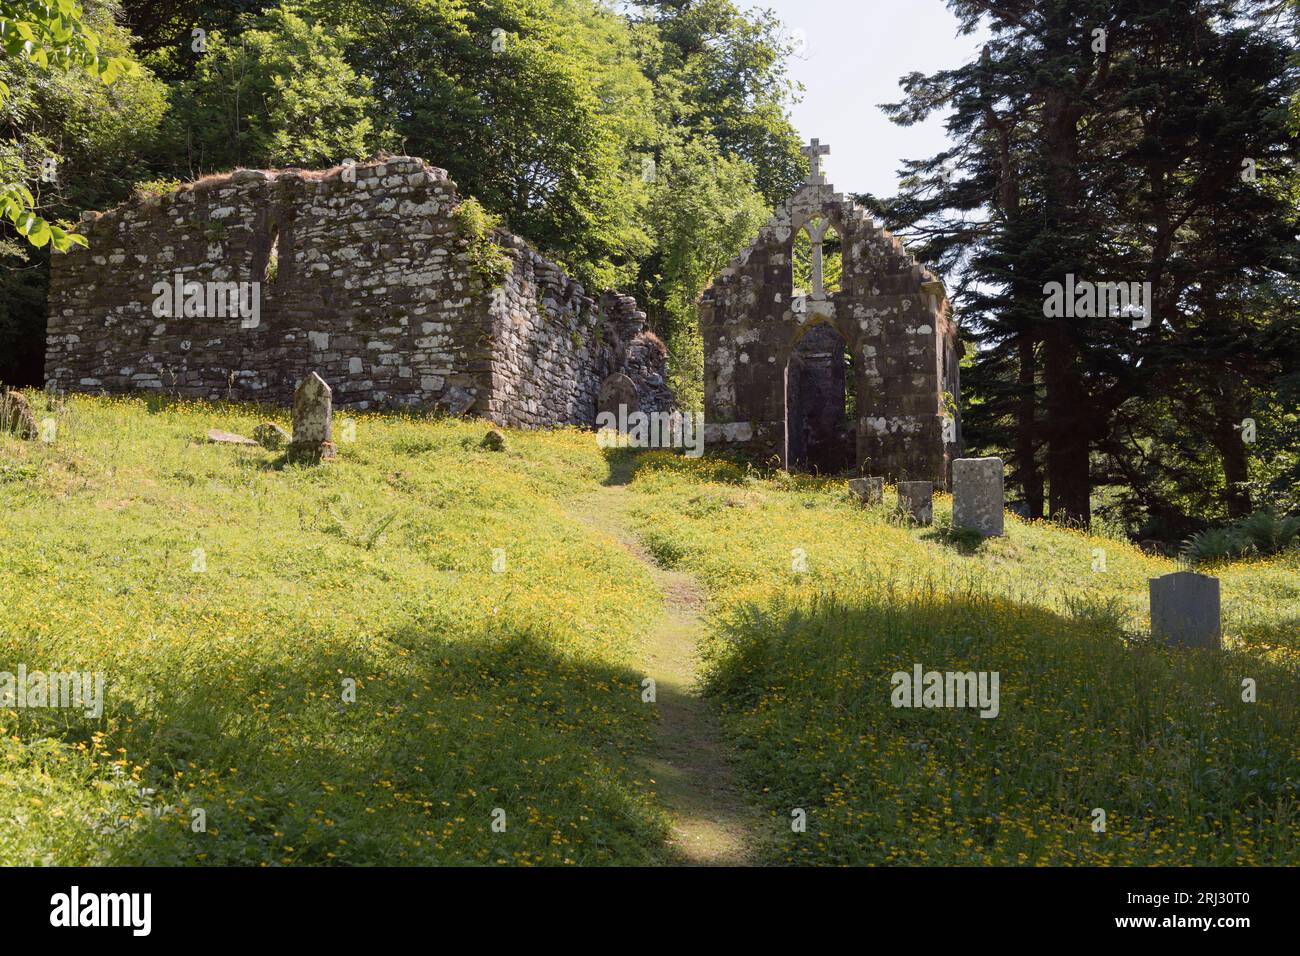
(890, 311)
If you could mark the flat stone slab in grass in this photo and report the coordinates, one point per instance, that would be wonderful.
(1185, 610)
(228, 438)
(869, 491)
(916, 501)
(978, 500)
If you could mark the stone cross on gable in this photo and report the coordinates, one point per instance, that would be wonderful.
(815, 151)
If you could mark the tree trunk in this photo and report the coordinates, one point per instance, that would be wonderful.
(1227, 438)
(1068, 426)
(1031, 477)
(1068, 479)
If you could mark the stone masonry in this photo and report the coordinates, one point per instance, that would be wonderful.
(769, 390)
(362, 275)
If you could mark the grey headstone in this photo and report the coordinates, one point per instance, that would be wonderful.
(869, 491)
(977, 495)
(618, 389)
(313, 419)
(916, 500)
(458, 400)
(1185, 610)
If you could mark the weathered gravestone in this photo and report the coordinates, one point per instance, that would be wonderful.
(1185, 610)
(458, 401)
(313, 420)
(868, 491)
(270, 435)
(977, 495)
(16, 415)
(618, 390)
(916, 501)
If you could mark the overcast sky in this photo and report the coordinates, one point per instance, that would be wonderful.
(856, 51)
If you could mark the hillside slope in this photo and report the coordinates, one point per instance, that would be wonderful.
(417, 654)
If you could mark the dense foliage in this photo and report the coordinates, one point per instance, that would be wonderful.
(640, 150)
(642, 146)
(1139, 142)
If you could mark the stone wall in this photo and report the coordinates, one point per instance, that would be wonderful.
(892, 316)
(553, 345)
(361, 274)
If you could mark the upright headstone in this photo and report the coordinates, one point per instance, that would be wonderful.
(618, 391)
(16, 415)
(977, 495)
(1185, 610)
(916, 501)
(313, 420)
(868, 491)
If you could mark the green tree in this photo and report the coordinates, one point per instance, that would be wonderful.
(1106, 140)
(725, 153)
(535, 107)
(68, 141)
(277, 93)
(704, 209)
(55, 37)
(722, 72)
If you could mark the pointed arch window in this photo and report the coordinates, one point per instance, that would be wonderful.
(817, 259)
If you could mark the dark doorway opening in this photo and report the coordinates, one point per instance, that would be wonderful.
(818, 404)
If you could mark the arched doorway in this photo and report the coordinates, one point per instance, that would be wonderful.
(818, 403)
(818, 374)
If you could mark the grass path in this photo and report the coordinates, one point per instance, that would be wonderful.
(712, 825)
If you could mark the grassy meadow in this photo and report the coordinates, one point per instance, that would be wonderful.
(231, 600)
(817, 601)
(475, 689)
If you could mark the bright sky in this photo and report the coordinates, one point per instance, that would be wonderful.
(856, 51)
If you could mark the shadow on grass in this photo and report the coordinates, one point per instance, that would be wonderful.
(1186, 771)
(445, 738)
(965, 541)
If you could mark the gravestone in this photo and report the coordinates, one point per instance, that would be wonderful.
(618, 389)
(916, 501)
(270, 435)
(869, 491)
(458, 401)
(977, 495)
(1185, 610)
(313, 420)
(217, 436)
(16, 415)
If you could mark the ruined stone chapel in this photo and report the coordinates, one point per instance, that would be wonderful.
(239, 286)
(828, 348)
